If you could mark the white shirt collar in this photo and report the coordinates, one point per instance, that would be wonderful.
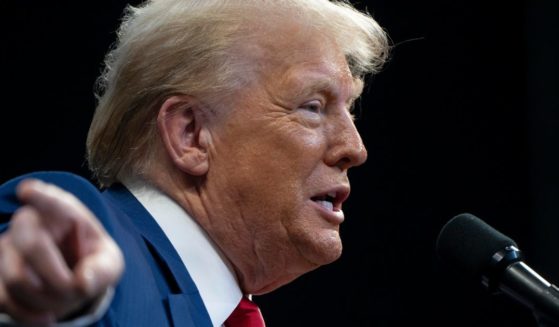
(207, 266)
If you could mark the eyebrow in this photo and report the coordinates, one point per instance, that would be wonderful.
(323, 85)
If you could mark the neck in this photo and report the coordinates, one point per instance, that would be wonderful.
(253, 275)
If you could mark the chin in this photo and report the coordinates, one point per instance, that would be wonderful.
(312, 251)
(323, 248)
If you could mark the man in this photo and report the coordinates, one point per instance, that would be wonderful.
(222, 141)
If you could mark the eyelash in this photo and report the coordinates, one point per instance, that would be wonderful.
(316, 106)
(313, 106)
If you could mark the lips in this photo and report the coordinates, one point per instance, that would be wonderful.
(330, 202)
(332, 199)
(327, 201)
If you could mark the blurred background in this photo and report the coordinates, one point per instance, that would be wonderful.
(464, 118)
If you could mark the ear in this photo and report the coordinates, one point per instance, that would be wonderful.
(183, 130)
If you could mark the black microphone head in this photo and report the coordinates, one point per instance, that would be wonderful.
(468, 243)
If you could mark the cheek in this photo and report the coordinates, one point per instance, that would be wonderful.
(282, 152)
(270, 165)
(301, 146)
(311, 140)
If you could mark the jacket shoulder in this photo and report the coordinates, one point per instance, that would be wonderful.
(80, 187)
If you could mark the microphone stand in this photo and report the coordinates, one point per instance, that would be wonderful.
(510, 275)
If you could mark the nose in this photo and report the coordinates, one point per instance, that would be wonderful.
(346, 148)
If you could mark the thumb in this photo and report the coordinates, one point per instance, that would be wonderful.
(99, 269)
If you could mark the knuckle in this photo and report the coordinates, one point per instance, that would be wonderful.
(24, 220)
(31, 245)
(23, 213)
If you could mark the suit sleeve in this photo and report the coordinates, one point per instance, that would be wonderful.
(91, 197)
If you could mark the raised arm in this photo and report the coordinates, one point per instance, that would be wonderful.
(55, 258)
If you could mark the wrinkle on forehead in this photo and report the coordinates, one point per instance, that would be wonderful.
(300, 61)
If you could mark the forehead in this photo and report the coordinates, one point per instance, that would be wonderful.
(303, 57)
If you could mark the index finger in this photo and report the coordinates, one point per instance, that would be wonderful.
(62, 209)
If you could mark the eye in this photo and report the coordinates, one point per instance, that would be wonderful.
(313, 106)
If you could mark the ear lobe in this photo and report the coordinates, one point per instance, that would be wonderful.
(181, 126)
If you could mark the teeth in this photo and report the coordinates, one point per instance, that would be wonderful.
(326, 204)
(332, 195)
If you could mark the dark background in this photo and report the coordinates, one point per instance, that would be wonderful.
(464, 118)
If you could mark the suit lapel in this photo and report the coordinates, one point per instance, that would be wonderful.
(185, 304)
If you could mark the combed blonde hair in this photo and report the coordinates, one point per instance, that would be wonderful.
(167, 47)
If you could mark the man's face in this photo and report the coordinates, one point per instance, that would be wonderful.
(279, 161)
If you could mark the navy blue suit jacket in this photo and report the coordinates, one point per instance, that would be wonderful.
(156, 289)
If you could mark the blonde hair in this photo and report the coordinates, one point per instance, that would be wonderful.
(167, 47)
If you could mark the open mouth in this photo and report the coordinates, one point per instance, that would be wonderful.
(327, 201)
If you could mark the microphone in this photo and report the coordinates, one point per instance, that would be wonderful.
(477, 249)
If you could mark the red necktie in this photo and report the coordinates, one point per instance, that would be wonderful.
(246, 314)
